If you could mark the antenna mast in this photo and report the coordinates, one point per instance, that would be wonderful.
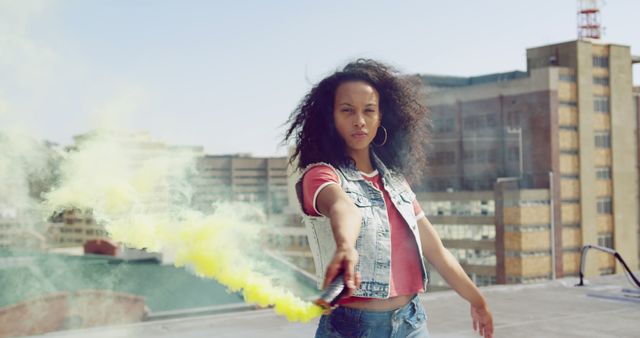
(589, 20)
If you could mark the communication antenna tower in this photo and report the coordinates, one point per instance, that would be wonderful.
(589, 26)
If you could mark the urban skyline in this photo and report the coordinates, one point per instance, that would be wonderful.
(227, 75)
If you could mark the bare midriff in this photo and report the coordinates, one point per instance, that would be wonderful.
(380, 304)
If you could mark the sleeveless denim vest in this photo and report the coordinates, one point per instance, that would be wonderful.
(374, 241)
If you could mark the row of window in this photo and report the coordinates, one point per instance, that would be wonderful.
(568, 103)
(597, 80)
(480, 121)
(460, 231)
(459, 208)
(447, 125)
(600, 104)
(482, 183)
(443, 125)
(91, 232)
(480, 156)
(483, 280)
(601, 80)
(71, 240)
(602, 139)
(473, 156)
(526, 280)
(474, 256)
(602, 173)
(567, 78)
(601, 61)
(285, 241)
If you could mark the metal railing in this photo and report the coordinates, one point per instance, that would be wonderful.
(632, 278)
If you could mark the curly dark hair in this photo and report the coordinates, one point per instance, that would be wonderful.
(405, 118)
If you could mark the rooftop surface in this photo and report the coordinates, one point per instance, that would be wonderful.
(552, 309)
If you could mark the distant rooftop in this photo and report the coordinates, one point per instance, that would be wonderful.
(552, 309)
(29, 275)
(444, 81)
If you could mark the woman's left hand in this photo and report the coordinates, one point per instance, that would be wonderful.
(482, 320)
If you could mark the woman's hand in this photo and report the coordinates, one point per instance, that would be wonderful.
(482, 320)
(345, 259)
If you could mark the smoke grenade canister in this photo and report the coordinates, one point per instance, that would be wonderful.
(332, 293)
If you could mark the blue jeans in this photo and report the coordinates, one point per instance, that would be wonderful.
(407, 321)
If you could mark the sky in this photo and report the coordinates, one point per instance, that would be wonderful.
(227, 74)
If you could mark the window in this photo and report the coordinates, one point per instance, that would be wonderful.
(570, 104)
(601, 104)
(601, 61)
(443, 125)
(485, 280)
(567, 78)
(601, 80)
(302, 241)
(513, 119)
(443, 158)
(492, 120)
(468, 156)
(604, 205)
(602, 139)
(605, 240)
(474, 122)
(603, 173)
(513, 154)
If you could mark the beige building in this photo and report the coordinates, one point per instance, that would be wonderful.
(557, 146)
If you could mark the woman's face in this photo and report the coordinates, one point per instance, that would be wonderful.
(356, 114)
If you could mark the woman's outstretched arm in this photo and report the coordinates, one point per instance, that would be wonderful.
(449, 268)
(345, 222)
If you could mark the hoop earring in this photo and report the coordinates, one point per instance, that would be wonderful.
(385, 137)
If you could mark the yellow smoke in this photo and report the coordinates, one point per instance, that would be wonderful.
(129, 195)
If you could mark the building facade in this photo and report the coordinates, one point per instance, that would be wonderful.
(241, 177)
(558, 147)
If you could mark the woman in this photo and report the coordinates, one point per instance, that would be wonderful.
(358, 134)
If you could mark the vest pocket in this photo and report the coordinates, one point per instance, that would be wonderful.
(359, 199)
(407, 196)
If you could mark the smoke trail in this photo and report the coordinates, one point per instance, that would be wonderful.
(27, 168)
(143, 202)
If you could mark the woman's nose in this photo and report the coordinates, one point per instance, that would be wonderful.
(359, 121)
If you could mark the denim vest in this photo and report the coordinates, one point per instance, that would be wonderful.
(374, 241)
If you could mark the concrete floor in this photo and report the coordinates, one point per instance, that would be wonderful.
(553, 309)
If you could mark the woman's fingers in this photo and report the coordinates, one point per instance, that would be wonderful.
(332, 272)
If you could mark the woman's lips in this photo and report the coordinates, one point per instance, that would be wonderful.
(359, 135)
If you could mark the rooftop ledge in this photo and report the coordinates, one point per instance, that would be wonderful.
(607, 307)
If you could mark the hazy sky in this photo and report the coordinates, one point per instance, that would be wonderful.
(227, 74)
